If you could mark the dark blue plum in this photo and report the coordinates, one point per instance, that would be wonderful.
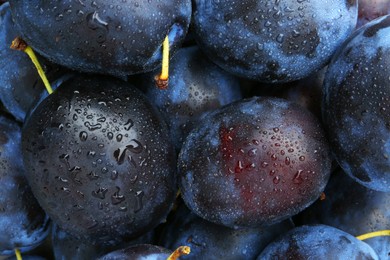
(307, 91)
(356, 105)
(254, 162)
(196, 86)
(354, 209)
(66, 246)
(20, 83)
(317, 242)
(213, 242)
(272, 41)
(100, 160)
(118, 38)
(23, 224)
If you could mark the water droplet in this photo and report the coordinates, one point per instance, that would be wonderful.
(276, 180)
(264, 164)
(92, 176)
(83, 136)
(95, 21)
(59, 17)
(119, 137)
(252, 152)
(114, 175)
(297, 177)
(274, 157)
(91, 154)
(138, 203)
(133, 179)
(74, 169)
(64, 158)
(110, 135)
(302, 158)
(59, 178)
(92, 127)
(117, 198)
(65, 189)
(287, 161)
(134, 146)
(239, 167)
(101, 119)
(119, 155)
(129, 124)
(100, 193)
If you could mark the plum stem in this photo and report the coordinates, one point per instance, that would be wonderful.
(18, 254)
(374, 234)
(162, 79)
(20, 45)
(180, 251)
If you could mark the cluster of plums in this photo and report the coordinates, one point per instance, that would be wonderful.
(272, 140)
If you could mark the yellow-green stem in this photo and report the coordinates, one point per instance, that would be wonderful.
(18, 254)
(20, 44)
(162, 79)
(374, 234)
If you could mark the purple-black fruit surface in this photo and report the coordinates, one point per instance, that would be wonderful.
(139, 252)
(196, 86)
(214, 242)
(354, 209)
(254, 162)
(356, 105)
(100, 160)
(65, 246)
(23, 224)
(119, 38)
(272, 41)
(317, 242)
(20, 83)
(307, 92)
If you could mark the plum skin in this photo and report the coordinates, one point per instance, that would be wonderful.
(99, 160)
(356, 102)
(23, 223)
(100, 37)
(272, 41)
(254, 162)
(317, 242)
